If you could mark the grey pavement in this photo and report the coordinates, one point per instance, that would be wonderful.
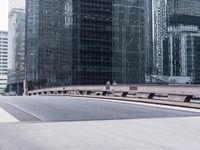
(137, 134)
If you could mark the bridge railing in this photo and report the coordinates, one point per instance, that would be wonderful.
(182, 93)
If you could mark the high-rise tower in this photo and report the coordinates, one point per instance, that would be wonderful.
(129, 41)
(78, 42)
(16, 52)
(3, 59)
(68, 42)
(182, 43)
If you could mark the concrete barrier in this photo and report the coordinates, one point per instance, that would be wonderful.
(183, 93)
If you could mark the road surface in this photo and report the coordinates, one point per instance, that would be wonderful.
(62, 123)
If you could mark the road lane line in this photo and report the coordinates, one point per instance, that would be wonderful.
(6, 117)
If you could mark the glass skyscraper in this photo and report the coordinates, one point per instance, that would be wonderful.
(49, 29)
(182, 41)
(16, 48)
(175, 39)
(92, 41)
(78, 42)
(68, 42)
(16, 67)
(128, 41)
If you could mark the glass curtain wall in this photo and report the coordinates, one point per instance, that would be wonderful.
(48, 42)
(128, 41)
(92, 42)
(16, 69)
(183, 29)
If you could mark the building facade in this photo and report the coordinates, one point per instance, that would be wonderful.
(129, 41)
(76, 42)
(175, 31)
(148, 37)
(159, 26)
(92, 42)
(3, 59)
(181, 44)
(16, 65)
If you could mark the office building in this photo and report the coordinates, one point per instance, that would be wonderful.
(3, 59)
(129, 41)
(92, 44)
(175, 39)
(86, 42)
(68, 42)
(181, 46)
(16, 65)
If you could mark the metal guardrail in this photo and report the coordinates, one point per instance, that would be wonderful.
(183, 93)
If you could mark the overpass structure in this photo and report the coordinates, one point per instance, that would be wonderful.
(182, 93)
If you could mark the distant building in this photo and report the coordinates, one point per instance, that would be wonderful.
(3, 59)
(181, 46)
(16, 65)
(129, 41)
(179, 50)
(176, 28)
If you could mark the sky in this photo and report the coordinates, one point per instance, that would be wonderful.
(4, 15)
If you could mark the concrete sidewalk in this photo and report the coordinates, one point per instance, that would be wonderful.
(137, 134)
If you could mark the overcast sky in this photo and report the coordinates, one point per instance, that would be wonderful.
(4, 15)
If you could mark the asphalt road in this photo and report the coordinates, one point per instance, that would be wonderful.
(52, 109)
(66, 123)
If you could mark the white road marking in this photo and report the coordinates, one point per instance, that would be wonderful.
(6, 117)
